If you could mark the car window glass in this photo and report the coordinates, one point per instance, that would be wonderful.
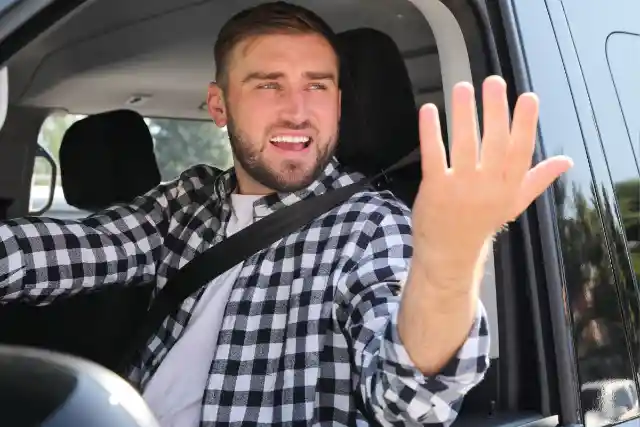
(605, 302)
(622, 48)
(622, 399)
(178, 145)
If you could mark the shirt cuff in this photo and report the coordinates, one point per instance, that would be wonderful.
(410, 395)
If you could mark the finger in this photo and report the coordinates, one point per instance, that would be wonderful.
(538, 179)
(496, 129)
(464, 149)
(523, 136)
(434, 159)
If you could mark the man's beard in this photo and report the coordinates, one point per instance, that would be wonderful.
(292, 176)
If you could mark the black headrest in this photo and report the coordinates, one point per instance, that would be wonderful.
(107, 158)
(379, 123)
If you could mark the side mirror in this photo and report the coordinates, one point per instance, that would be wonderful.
(46, 389)
(42, 152)
(4, 94)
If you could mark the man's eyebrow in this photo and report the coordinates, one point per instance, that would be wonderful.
(320, 75)
(311, 75)
(258, 75)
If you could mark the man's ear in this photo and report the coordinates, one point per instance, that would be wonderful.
(216, 105)
(339, 104)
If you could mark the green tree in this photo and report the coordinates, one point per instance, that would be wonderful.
(591, 285)
(180, 144)
(628, 193)
(588, 270)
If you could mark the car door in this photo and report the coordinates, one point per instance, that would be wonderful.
(605, 47)
(586, 251)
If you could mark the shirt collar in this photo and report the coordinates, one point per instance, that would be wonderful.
(330, 178)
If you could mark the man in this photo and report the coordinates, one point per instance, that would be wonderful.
(358, 318)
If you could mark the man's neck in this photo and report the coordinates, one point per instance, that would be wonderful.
(247, 186)
(269, 200)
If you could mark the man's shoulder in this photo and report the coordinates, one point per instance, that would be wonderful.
(375, 221)
(199, 174)
(370, 201)
(196, 185)
(379, 207)
(199, 178)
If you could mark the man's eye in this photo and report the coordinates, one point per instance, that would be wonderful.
(317, 86)
(270, 85)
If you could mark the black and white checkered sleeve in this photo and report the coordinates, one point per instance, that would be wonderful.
(395, 390)
(43, 258)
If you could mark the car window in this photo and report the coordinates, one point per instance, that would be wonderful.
(620, 49)
(622, 399)
(178, 144)
(607, 46)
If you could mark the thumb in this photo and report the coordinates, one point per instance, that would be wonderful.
(537, 180)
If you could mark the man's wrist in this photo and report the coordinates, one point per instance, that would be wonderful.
(452, 272)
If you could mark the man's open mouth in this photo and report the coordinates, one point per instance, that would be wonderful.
(291, 143)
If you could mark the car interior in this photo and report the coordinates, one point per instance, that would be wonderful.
(119, 62)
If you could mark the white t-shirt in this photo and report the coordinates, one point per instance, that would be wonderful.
(175, 391)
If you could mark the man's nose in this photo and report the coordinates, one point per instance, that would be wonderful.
(294, 106)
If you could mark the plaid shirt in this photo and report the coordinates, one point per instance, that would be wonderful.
(309, 335)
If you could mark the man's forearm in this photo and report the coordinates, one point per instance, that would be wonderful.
(42, 259)
(438, 310)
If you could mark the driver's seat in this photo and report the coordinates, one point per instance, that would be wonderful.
(379, 127)
(379, 122)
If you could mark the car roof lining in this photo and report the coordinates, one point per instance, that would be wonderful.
(112, 51)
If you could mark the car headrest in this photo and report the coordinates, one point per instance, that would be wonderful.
(107, 158)
(379, 123)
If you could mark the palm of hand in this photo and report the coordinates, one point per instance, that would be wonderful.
(458, 208)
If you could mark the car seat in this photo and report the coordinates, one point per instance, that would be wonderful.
(379, 127)
(105, 159)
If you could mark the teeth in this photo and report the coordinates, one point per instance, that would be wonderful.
(291, 139)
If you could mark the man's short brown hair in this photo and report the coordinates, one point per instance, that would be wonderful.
(268, 18)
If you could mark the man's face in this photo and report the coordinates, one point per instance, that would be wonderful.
(281, 106)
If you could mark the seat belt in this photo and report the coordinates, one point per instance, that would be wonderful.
(208, 265)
